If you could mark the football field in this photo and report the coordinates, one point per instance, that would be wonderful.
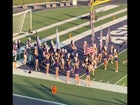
(38, 91)
(67, 94)
(28, 90)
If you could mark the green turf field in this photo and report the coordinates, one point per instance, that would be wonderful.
(85, 28)
(72, 94)
(48, 17)
(21, 2)
(67, 94)
(38, 21)
(110, 76)
(72, 24)
(39, 88)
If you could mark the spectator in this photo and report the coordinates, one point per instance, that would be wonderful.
(57, 66)
(29, 42)
(18, 46)
(88, 75)
(74, 48)
(36, 59)
(111, 52)
(47, 59)
(15, 47)
(76, 72)
(100, 56)
(76, 61)
(68, 69)
(14, 53)
(95, 49)
(25, 55)
(116, 60)
(105, 56)
(62, 61)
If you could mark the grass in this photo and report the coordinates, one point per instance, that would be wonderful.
(21, 2)
(48, 17)
(68, 94)
(51, 31)
(123, 81)
(110, 75)
(71, 94)
(85, 28)
(75, 32)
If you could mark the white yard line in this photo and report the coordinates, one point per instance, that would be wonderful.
(100, 80)
(63, 22)
(108, 81)
(102, 63)
(120, 79)
(94, 79)
(37, 99)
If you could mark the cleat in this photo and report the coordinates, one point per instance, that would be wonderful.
(57, 78)
(47, 74)
(68, 82)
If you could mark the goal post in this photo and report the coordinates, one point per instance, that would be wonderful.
(22, 22)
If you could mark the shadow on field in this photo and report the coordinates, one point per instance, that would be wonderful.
(48, 17)
(93, 99)
(124, 103)
(69, 15)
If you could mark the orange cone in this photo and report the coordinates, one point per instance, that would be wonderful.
(54, 89)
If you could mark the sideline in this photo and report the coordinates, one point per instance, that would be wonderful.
(37, 99)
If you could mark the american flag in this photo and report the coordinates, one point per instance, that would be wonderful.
(87, 49)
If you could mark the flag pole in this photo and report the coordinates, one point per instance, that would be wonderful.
(57, 39)
(100, 40)
(92, 4)
(92, 26)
